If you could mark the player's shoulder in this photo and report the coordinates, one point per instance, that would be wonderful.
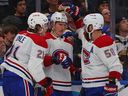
(103, 41)
(38, 40)
(48, 35)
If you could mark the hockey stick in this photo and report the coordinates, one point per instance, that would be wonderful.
(120, 89)
(123, 87)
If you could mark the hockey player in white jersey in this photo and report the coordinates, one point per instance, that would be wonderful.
(101, 67)
(60, 56)
(23, 62)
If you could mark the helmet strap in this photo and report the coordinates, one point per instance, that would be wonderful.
(90, 35)
(89, 30)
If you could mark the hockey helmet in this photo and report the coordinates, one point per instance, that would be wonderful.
(93, 22)
(58, 16)
(37, 18)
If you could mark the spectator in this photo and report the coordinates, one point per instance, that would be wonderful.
(20, 12)
(52, 6)
(2, 46)
(92, 5)
(102, 4)
(83, 8)
(107, 27)
(31, 6)
(2, 52)
(106, 14)
(9, 31)
(4, 9)
(121, 38)
(12, 20)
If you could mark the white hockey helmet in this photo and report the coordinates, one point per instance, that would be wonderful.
(37, 18)
(58, 16)
(94, 20)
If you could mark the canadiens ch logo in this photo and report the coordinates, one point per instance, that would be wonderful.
(86, 56)
(59, 51)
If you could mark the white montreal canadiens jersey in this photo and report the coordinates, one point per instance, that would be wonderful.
(61, 77)
(26, 55)
(98, 58)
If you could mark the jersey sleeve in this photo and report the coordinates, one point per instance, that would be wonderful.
(109, 56)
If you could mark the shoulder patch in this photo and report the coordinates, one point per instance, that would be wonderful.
(103, 41)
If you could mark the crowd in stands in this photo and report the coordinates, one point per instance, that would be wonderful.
(12, 22)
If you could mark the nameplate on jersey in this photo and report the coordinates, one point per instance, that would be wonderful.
(20, 38)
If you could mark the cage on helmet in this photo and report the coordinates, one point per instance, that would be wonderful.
(58, 16)
(37, 18)
(93, 22)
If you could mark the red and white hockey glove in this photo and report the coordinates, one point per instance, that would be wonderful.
(66, 62)
(49, 60)
(47, 84)
(49, 90)
(58, 58)
(70, 9)
(63, 59)
(111, 88)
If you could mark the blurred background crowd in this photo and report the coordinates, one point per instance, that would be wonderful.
(14, 14)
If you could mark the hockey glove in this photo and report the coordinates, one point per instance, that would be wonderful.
(69, 33)
(71, 9)
(66, 62)
(47, 84)
(49, 90)
(58, 58)
(111, 88)
(55, 60)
